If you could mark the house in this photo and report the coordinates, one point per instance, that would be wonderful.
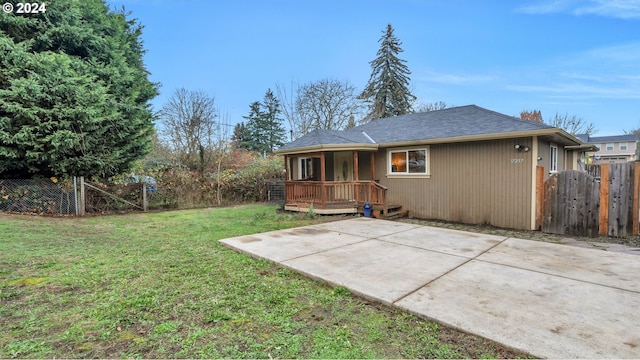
(612, 149)
(464, 164)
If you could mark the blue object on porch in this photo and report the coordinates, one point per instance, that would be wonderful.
(367, 210)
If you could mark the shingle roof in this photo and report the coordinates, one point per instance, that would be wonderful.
(325, 137)
(447, 123)
(470, 120)
(606, 139)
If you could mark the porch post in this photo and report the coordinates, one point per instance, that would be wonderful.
(355, 165)
(322, 179)
(286, 168)
(373, 167)
(356, 186)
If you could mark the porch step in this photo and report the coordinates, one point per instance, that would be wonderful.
(397, 214)
(394, 211)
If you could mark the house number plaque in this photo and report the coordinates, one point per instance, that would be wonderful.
(517, 161)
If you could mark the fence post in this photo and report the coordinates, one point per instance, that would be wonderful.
(604, 200)
(636, 198)
(539, 197)
(82, 202)
(145, 203)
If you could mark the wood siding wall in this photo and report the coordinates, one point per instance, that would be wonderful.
(544, 151)
(479, 183)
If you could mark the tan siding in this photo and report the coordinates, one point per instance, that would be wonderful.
(470, 182)
(565, 158)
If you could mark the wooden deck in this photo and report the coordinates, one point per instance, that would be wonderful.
(338, 197)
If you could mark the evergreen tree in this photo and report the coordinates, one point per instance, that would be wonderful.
(264, 125)
(240, 136)
(74, 93)
(387, 91)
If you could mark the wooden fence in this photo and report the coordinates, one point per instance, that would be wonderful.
(579, 203)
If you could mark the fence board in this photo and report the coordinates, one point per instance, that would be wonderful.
(602, 201)
(539, 197)
(571, 204)
(550, 223)
(620, 200)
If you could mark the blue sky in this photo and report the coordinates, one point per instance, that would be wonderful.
(579, 57)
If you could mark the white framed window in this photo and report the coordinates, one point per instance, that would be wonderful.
(554, 158)
(623, 146)
(610, 147)
(305, 168)
(408, 162)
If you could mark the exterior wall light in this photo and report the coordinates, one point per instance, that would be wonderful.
(521, 148)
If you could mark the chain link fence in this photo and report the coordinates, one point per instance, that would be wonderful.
(42, 196)
(275, 191)
(69, 197)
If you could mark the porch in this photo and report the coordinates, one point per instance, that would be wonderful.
(337, 197)
(335, 182)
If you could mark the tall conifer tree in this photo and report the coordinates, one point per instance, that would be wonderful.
(387, 91)
(74, 93)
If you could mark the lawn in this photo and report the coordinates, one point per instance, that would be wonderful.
(159, 285)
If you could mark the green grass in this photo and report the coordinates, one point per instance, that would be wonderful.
(159, 285)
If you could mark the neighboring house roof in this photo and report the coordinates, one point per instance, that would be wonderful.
(607, 139)
(464, 123)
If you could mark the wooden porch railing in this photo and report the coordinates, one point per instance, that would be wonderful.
(324, 194)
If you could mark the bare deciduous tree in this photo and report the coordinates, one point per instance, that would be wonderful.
(222, 152)
(572, 124)
(190, 126)
(438, 105)
(288, 107)
(323, 104)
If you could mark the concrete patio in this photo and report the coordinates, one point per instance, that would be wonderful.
(549, 300)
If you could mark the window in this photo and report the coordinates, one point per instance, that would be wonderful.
(408, 162)
(554, 158)
(623, 146)
(305, 170)
(610, 147)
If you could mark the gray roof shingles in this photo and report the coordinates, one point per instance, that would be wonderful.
(440, 124)
(606, 139)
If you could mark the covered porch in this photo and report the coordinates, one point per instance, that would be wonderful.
(334, 182)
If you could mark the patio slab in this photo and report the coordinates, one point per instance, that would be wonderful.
(546, 299)
(453, 242)
(377, 269)
(292, 243)
(595, 266)
(546, 315)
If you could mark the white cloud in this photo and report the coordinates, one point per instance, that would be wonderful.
(546, 7)
(625, 53)
(611, 72)
(568, 90)
(622, 9)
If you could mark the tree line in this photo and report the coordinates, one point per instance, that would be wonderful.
(75, 100)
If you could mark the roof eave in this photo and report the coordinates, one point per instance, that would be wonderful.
(326, 147)
(484, 137)
(583, 147)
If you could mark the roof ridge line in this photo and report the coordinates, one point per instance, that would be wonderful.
(369, 137)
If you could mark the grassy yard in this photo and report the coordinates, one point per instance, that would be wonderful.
(159, 285)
